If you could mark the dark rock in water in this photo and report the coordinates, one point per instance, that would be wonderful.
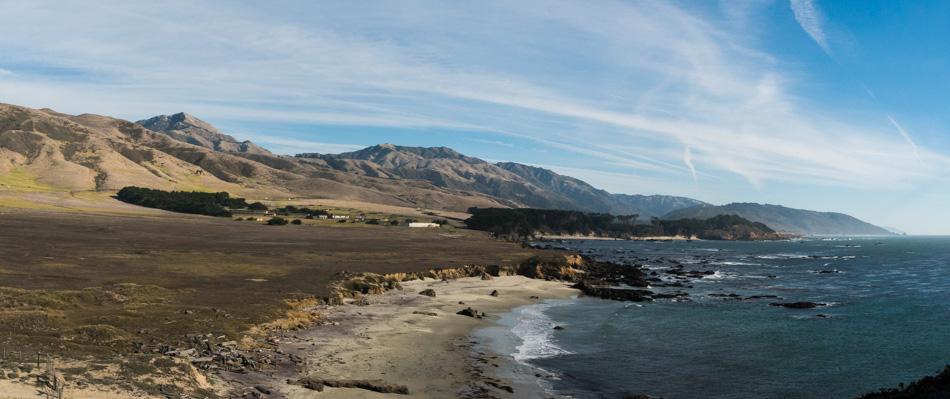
(762, 296)
(770, 276)
(614, 293)
(468, 312)
(428, 292)
(494, 293)
(824, 316)
(675, 295)
(825, 271)
(558, 328)
(797, 305)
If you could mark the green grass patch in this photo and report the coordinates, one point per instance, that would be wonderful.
(21, 180)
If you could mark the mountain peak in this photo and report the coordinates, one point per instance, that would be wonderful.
(186, 127)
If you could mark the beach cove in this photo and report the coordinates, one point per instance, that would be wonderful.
(404, 338)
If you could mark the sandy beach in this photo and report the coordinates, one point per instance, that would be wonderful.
(399, 338)
(404, 338)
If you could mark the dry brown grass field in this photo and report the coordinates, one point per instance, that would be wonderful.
(96, 279)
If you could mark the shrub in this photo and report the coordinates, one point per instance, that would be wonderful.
(342, 221)
(257, 206)
(277, 221)
(296, 221)
(394, 222)
(239, 219)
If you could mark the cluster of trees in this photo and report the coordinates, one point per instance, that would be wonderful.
(525, 222)
(211, 204)
(293, 210)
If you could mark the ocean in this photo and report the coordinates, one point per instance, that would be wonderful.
(886, 320)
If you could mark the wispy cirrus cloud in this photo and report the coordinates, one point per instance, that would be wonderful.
(809, 17)
(624, 85)
(501, 143)
(900, 129)
(283, 145)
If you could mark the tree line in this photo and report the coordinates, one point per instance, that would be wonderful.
(523, 223)
(211, 204)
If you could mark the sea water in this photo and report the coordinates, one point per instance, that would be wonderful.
(886, 320)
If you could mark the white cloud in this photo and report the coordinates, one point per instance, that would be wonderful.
(283, 145)
(501, 143)
(626, 84)
(5, 72)
(905, 136)
(688, 160)
(809, 17)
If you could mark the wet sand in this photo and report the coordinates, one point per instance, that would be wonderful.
(404, 338)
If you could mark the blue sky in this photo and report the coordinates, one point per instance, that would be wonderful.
(830, 106)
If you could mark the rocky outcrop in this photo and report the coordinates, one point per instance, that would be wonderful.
(317, 384)
(616, 294)
(469, 312)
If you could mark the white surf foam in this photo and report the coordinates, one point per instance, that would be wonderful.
(536, 331)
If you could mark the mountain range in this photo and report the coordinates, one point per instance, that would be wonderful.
(88, 152)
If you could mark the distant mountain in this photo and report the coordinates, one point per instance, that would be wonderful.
(44, 148)
(894, 230)
(781, 218)
(658, 205)
(191, 130)
(511, 184)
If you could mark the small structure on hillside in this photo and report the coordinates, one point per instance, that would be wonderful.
(420, 224)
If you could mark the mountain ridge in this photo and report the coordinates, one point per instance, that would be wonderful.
(93, 153)
(516, 185)
(187, 128)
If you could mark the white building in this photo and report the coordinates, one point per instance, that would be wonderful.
(419, 224)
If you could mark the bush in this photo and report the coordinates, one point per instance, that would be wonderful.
(296, 221)
(239, 219)
(394, 222)
(342, 221)
(277, 221)
(257, 206)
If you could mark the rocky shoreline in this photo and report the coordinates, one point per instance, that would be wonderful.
(289, 361)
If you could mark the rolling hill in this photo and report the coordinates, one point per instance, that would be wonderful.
(44, 149)
(781, 218)
(98, 153)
